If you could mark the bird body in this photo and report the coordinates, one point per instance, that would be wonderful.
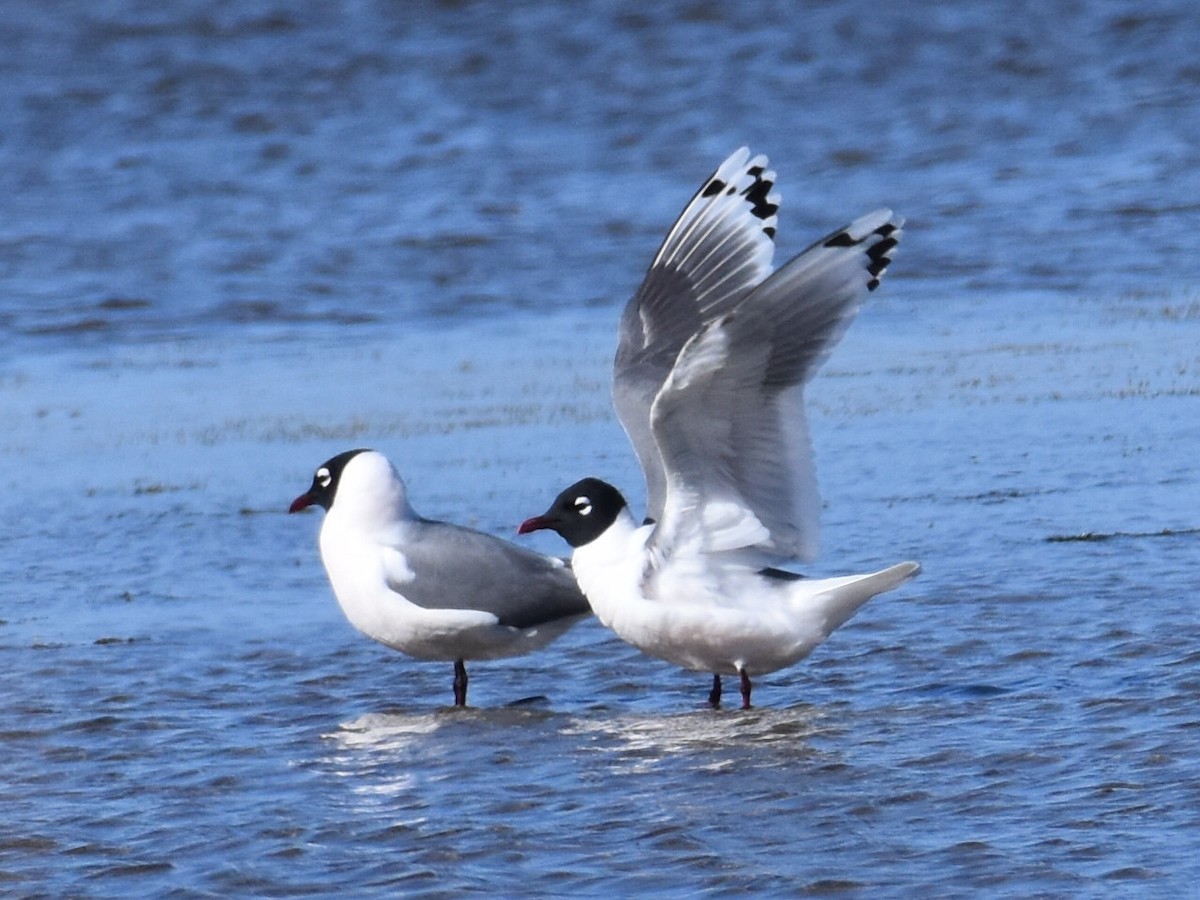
(430, 589)
(715, 349)
(715, 615)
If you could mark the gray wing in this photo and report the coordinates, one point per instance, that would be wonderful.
(730, 422)
(459, 568)
(718, 249)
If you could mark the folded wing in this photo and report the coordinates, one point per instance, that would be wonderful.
(445, 566)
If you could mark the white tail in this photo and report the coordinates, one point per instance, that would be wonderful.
(841, 598)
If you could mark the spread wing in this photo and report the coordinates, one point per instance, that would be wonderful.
(719, 248)
(729, 421)
(442, 566)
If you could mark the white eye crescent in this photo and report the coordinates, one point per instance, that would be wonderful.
(323, 478)
(583, 505)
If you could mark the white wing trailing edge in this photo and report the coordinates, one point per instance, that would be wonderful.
(729, 421)
(718, 250)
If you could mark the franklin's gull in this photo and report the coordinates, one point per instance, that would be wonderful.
(430, 589)
(714, 352)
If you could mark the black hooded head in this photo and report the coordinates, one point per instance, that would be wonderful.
(325, 483)
(581, 513)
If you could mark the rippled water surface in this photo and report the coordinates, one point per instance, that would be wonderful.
(240, 237)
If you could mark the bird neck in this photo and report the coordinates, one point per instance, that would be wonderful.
(370, 511)
(607, 565)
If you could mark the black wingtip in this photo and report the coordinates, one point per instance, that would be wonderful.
(841, 239)
(877, 253)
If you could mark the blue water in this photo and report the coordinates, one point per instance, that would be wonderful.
(236, 238)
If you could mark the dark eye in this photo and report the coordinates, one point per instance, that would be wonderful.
(323, 478)
(583, 506)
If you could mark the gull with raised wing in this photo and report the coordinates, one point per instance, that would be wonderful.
(430, 589)
(714, 352)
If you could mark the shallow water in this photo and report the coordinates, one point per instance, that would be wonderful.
(239, 239)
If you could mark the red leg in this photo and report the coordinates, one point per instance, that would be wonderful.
(746, 686)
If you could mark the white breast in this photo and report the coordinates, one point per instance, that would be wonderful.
(609, 569)
(368, 581)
